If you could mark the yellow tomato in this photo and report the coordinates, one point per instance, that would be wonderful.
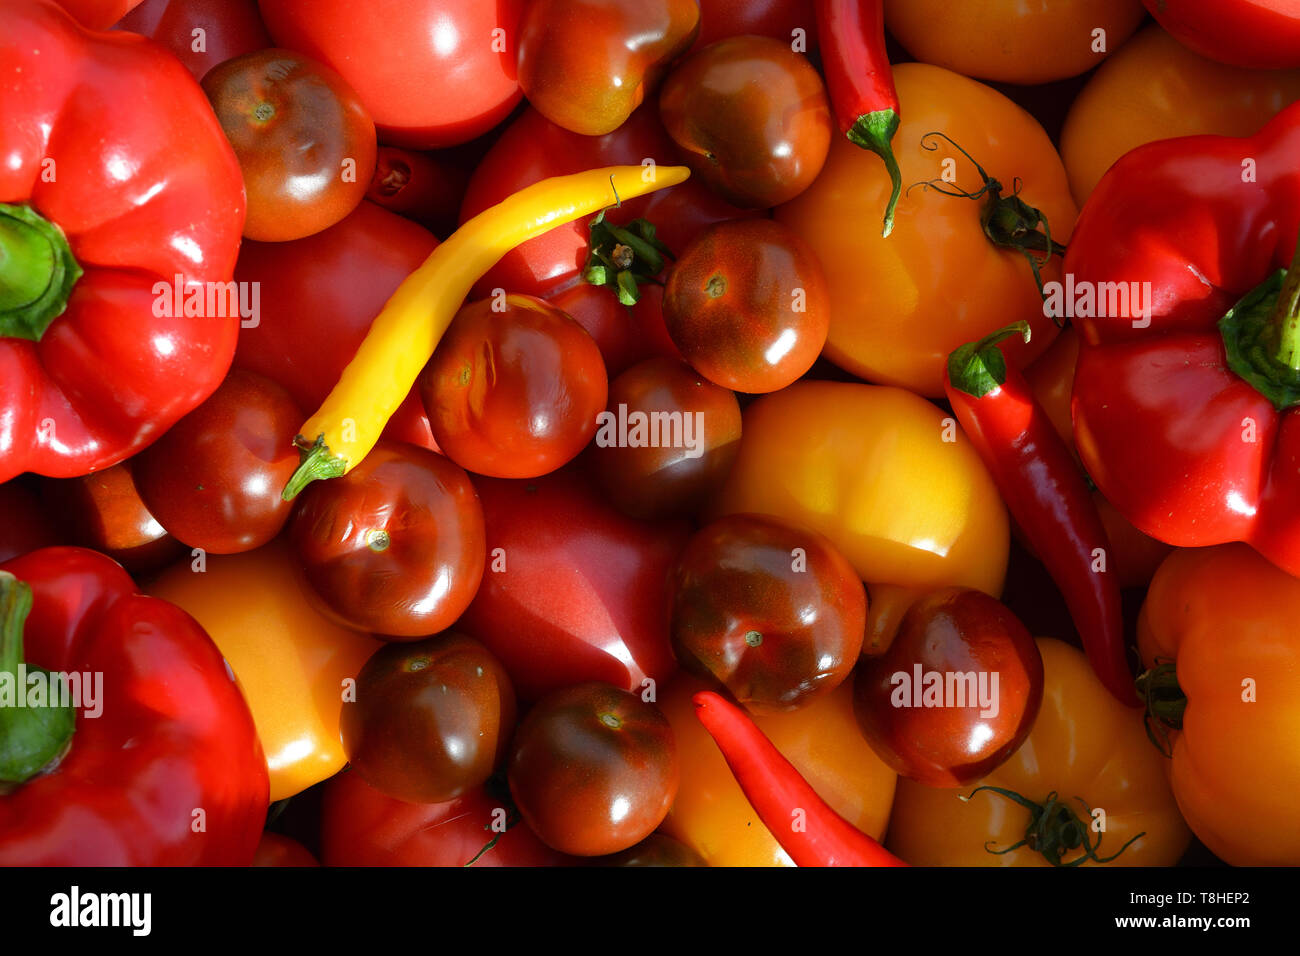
(882, 473)
(1085, 744)
(1013, 41)
(289, 661)
(900, 305)
(822, 740)
(1155, 88)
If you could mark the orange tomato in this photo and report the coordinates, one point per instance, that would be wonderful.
(289, 661)
(1013, 41)
(1226, 617)
(1155, 88)
(900, 305)
(893, 483)
(822, 740)
(1085, 744)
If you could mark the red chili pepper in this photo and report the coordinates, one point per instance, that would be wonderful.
(1046, 494)
(860, 81)
(155, 763)
(816, 837)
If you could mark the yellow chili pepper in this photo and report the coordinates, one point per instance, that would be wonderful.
(404, 335)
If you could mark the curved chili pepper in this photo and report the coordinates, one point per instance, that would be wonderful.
(860, 82)
(404, 334)
(777, 792)
(1046, 494)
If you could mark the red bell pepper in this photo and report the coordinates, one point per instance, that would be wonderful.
(160, 764)
(777, 792)
(1184, 398)
(116, 179)
(860, 81)
(1046, 494)
(1260, 34)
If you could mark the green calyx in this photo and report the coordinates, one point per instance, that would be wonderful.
(624, 258)
(1008, 221)
(37, 272)
(1055, 830)
(875, 131)
(1164, 702)
(978, 368)
(34, 733)
(1261, 335)
(317, 462)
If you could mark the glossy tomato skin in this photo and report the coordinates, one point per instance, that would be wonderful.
(675, 478)
(514, 388)
(1256, 34)
(587, 64)
(305, 143)
(361, 826)
(748, 305)
(778, 19)
(420, 186)
(770, 610)
(431, 719)
(655, 850)
(230, 28)
(432, 73)
(593, 769)
(951, 631)
(573, 590)
(395, 546)
(751, 118)
(317, 297)
(214, 479)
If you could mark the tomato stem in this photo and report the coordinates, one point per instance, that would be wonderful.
(1054, 830)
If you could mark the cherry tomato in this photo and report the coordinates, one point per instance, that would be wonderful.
(514, 388)
(751, 119)
(229, 28)
(431, 72)
(748, 306)
(649, 477)
(956, 693)
(103, 511)
(822, 740)
(593, 769)
(214, 479)
(305, 143)
(395, 546)
(430, 719)
(276, 849)
(778, 19)
(625, 336)
(362, 827)
(419, 186)
(573, 591)
(587, 64)
(291, 663)
(901, 305)
(24, 525)
(655, 850)
(1155, 88)
(1010, 40)
(771, 611)
(323, 292)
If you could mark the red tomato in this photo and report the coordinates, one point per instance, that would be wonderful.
(513, 392)
(778, 19)
(573, 590)
(362, 827)
(420, 186)
(431, 72)
(230, 28)
(318, 297)
(395, 546)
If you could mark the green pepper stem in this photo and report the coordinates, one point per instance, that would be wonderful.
(15, 605)
(1285, 320)
(37, 272)
(317, 462)
(875, 131)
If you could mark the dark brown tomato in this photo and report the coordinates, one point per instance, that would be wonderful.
(666, 441)
(748, 305)
(424, 187)
(593, 769)
(514, 392)
(979, 689)
(770, 610)
(751, 118)
(431, 719)
(394, 547)
(587, 64)
(305, 143)
(103, 511)
(214, 479)
(657, 849)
